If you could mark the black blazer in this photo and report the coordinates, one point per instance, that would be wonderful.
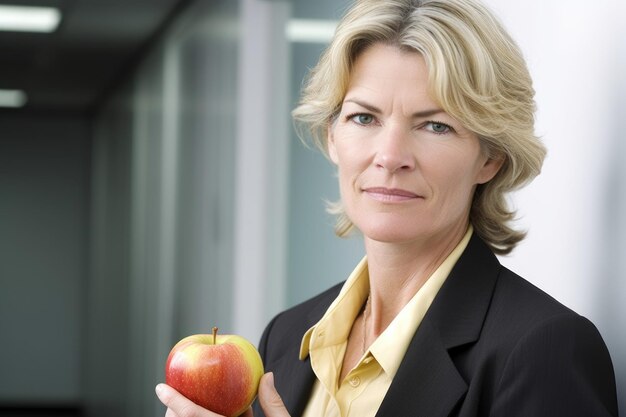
(491, 344)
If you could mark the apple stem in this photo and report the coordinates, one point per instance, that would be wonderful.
(215, 335)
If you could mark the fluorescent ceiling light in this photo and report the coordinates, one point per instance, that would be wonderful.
(12, 98)
(310, 31)
(29, 18)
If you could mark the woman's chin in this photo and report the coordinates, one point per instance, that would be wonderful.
(390, 233)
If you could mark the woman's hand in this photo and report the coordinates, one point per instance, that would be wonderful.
(179, 406)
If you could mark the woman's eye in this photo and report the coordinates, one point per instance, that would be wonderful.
(362, 118)
(438, 128)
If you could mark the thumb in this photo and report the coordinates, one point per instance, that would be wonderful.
(270, 401)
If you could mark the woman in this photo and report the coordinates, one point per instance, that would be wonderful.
(426, 108)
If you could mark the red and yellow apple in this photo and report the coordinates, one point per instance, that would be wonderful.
(218, 372)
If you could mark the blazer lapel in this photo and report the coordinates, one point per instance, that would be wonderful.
(428, 382)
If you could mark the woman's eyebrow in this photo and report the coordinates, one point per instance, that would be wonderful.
(374, 109)
(363, 104)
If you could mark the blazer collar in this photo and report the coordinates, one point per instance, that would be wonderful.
(428, 382)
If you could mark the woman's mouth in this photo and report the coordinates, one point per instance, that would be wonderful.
(390, 194)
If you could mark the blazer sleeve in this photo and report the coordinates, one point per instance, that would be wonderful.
(560, 368)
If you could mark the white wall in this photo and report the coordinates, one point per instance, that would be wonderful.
(574, 210)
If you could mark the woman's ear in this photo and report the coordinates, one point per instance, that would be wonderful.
(330, 143)
(490, 168)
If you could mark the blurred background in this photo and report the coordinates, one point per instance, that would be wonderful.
(151, 184)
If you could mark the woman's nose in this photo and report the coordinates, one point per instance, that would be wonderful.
(394, 152)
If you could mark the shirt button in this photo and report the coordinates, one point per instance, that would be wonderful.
(355, 381)
(368, 360)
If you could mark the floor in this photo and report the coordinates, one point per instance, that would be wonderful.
(27, 411)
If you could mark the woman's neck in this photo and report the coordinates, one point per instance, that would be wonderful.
(397, 271)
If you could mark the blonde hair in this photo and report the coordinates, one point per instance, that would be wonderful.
(476, 73)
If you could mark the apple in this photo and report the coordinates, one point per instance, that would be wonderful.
(218, 372)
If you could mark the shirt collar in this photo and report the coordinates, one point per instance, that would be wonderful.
(342, 312)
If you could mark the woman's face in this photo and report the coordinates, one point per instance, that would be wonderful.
(407, 170)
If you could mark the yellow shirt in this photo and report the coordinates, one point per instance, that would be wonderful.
(362, 391)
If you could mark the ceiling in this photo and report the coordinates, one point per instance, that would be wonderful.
(95, 45)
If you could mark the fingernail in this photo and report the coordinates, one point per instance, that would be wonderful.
(159, 390)
(269, 379)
